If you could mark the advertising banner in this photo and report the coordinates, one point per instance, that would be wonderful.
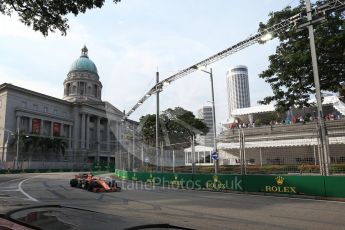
(56, 129)
(36, 126)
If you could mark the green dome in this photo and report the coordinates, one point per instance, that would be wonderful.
(83, 63)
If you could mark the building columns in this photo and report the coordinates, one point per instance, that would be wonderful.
(75, 129)
(51, 129)
(70, 137)
(30, 125)
(41, 127)
(87, 131)
(98, 120)
(18, 122)
(82, 138)
(108, 134)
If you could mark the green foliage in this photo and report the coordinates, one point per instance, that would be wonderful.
(290, 71)
(48, 16)
(37, 144)
(176, 126)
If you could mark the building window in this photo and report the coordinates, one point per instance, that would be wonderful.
(24, 104)
(81, 88)
(35, 107)
(55, 111)
(95, 90)
(45, 109)
(68, 86)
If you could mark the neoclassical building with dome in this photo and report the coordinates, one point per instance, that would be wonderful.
(89, 127)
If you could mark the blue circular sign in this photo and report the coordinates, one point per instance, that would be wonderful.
(215, 156)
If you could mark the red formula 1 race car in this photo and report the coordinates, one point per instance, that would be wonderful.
(94, 184)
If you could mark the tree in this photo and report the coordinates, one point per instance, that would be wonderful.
(48, 16)
(290, 70)
(35, 145)
(176, 127)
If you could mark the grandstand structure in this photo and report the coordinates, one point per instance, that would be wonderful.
(282, 144)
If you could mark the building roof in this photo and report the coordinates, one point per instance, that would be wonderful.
(335, 102)
(281, 143)
(253, 109)
(199, 148)
(14, 87)
(328, 100)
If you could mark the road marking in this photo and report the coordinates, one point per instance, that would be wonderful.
(23, 192)
(9, 190)
(2, 182)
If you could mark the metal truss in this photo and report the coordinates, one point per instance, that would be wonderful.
(296, 22)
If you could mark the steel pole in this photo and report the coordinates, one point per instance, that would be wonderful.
(214, 123)
(120, 145)
(133, 163)
(142, 155)
(193, 155)
(323, 133)
(173, 154)
(162, 157)
(157, 123)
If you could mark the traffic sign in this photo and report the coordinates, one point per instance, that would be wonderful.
(215, 156)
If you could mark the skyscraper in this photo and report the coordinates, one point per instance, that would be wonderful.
(238, 88)
(206, 114)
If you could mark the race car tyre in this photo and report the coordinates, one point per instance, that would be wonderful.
(73, 182)
(90, 187)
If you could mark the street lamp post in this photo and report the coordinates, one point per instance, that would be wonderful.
(323, 133)
(157, 123)
(213, 115)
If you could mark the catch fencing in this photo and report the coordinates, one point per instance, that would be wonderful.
(273, 149)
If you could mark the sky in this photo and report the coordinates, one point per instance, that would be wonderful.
(132, 40)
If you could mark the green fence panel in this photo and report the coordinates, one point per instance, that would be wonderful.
(183, 180)
(142, 176)
(118, 172)
(123, 174)
(171, 179)
(335, 186)
(295, 185)
(156, 178)
(219, 181)
(167, 179)
(332, 186)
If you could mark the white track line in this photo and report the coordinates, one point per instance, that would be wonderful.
(24, 193)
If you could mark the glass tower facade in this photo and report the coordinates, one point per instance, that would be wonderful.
(238, 88)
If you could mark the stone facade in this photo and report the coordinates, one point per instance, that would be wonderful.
(89, 126)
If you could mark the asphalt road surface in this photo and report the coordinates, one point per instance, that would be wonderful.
(192, 209)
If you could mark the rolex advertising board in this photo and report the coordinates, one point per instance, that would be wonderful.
(282, 184)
